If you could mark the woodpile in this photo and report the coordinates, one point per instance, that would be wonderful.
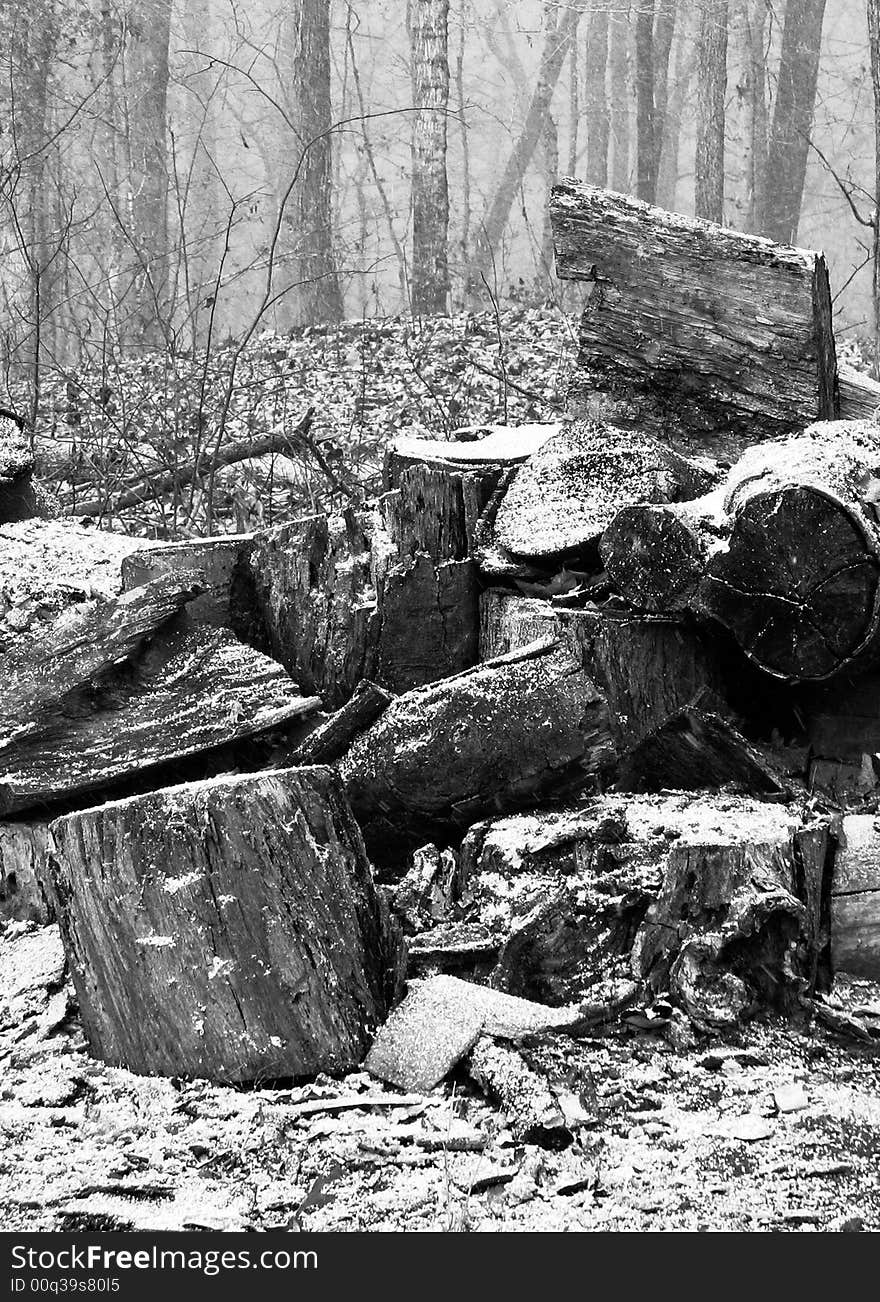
(573, 723)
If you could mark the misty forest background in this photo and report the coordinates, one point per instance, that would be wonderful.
(216, 216)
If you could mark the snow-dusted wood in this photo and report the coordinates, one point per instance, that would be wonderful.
(703, 335)
(195, 688)
(224, 575)
(855, 897)
(226, 929)
(334, 734)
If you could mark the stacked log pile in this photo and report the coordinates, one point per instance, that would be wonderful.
(592, 706)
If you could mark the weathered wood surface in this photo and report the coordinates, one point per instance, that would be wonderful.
(739, 919)
(703, 335)
(693, 749)
(25, 893)
(193, 689)
(797, 582)
(224, 575)
(226, 930)
(531, 1108)
(48, 565)
(481, 740)
(334, 734)
(859, 394)
(855, 897)
(82, 643)
(570, 490)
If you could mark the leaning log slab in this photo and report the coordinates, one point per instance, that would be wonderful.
(334, 733)
(226, 930)
(855, 898)
(705, 336)
(224, 575)
(194, 689)
(482, 740)
(798, 581)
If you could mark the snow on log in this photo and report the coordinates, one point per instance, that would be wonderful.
(195, 688)
(224, 575)
(568, 493)
(481, 740)
(227, 930)
(702, 335)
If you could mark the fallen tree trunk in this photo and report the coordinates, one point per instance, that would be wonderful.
(227, 930)
(482, 740)
(709, 338)
(81, 644)
(194, 689)
(859, 394)
(333, 736)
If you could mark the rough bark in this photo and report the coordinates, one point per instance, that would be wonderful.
(755, 23)
(25, 892)
(315, 293)
(531, 1108)
(428, 21)
(572, 487)
(859, 395)
(711, 91)
(797, 582)
(734, 341)
(223, 572)
(194, 689)
(855, 898)
(739, 919)
(484, 739)
(227, 930)
(789, 143)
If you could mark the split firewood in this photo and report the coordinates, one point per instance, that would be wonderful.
(226, 930)
(481, 740)
(532, 1109)
(567, 494)
(226, 599)
(739, 920)
(707, 337)
(855, 898)
(195, 688)
(25, 893)
(334, 733)
(82, 643)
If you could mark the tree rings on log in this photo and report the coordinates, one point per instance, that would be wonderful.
(227, 929)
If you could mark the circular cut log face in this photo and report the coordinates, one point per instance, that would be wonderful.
(653, 558)
(797, 585)
(571, 490)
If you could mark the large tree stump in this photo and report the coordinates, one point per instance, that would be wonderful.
(226, 929)
(705, 336)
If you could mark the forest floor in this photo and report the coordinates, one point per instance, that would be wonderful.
(776, 1131)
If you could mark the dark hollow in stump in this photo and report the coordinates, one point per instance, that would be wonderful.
(227, 929)
(18, 500)
(797, 582)
(711, 338)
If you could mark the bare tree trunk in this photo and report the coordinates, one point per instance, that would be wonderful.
(197, 189)
(147, 36)
(618, 61)
(793, 117)
(574, 109)
(556, 43)
(428, 25)
(667, 180)
(874, 41)
(315, 292)
(755, 20)
(596, 101)
(646, 175)
(711, 89)
(664, 32)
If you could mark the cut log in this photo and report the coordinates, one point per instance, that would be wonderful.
(531, 1107)
(739, 920)
(25, 894)
(194, 689)
(855, 898)
(859, 394)
(81, 644)
(567, 494)
(500, 445)
(797, 582)
(649, 667)
(48, 565)
(334, 734)
(224, 575)
(227, 930)
(694, 750)
(482, 740)
(493, 560)
(704, 336)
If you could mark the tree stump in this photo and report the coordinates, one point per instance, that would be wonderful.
(226, 929)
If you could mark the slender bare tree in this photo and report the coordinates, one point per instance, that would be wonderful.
(596, 109)
(711, 90)
(620, 85)
(428, 25)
